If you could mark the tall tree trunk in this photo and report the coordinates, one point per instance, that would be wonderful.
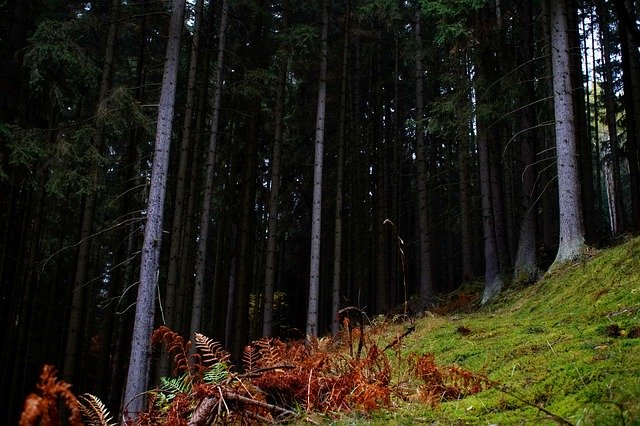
(209, 173)
(464, 175)
(139, 361)
(337, 219)
(426, 281)
(182, 175)
(74, 335)
(611, 158)
(76, 322)
(580, 123)
(245, 255)
(631, 82)
(180, 198)
(571, 241)
(274, 199)
(314, 264)
(485, 72)
(526, 265)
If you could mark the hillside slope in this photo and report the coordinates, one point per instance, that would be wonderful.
(569, 343)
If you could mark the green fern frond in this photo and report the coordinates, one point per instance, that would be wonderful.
(172, 386)
(216, 373)
(94, 411)
(212, 351)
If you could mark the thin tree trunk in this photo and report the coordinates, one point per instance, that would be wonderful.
(209, 173)
(630, 80)
(337, 242)
(180, 198)
(139, 361)
(76, 323)
(314, 264)
(74, 335)
(526, 268)
(182, 175)
(464, 176)
(611, 158)
(272, 227)
(426, 280)
(580, 123)
(571, 241)
(245, 255)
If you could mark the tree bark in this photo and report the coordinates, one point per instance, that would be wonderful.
(337, 242)
(571, 241)
(139, 361)
(314, 264)
(426, 280)
(526, 264)
(630, 80)
(611, 158)
(74, 335)
(182, 177)
(209, 173)
(274, 199)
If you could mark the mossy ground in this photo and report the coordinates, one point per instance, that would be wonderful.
(569, 343)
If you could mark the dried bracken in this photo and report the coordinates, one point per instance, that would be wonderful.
(442, 384)
(278, 379)
(94, 412)
(42, 406)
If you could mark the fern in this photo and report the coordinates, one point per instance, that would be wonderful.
(94, 411)
(250, 357)
(42, 406)
(175, 385)
(212, 351)
(216, 374)
(176, 345)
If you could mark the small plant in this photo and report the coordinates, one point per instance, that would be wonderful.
(43, 406)
(448, 383)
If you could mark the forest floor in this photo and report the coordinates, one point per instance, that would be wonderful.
(563, 350)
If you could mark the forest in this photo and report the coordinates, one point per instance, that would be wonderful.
(251, 168)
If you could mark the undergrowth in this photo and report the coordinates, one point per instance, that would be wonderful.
(564, 350)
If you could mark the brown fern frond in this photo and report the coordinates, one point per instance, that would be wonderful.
(212, 351)
(41, 407)
(272, 352)
(94, 411)
(443, 384)
(177, 346)
(250, 356)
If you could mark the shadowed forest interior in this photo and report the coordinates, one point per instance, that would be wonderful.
(248, 168)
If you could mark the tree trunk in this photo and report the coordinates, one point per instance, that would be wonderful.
(139, 361)
(526, 265)
(337, 242)
(244, 282)
(464, 175)
(426, 281)
(272, 227)
(76, 322)
(182, 177)
(611, 158)
(630, 80)
(209, 173)
(486, 71)
(571, 241)
(314, 264)
(74, 335)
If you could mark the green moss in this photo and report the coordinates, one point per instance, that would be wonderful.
(569, 343)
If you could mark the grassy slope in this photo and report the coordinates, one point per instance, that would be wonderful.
(548, 343)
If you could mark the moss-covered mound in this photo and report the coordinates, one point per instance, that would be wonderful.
(569, 343)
